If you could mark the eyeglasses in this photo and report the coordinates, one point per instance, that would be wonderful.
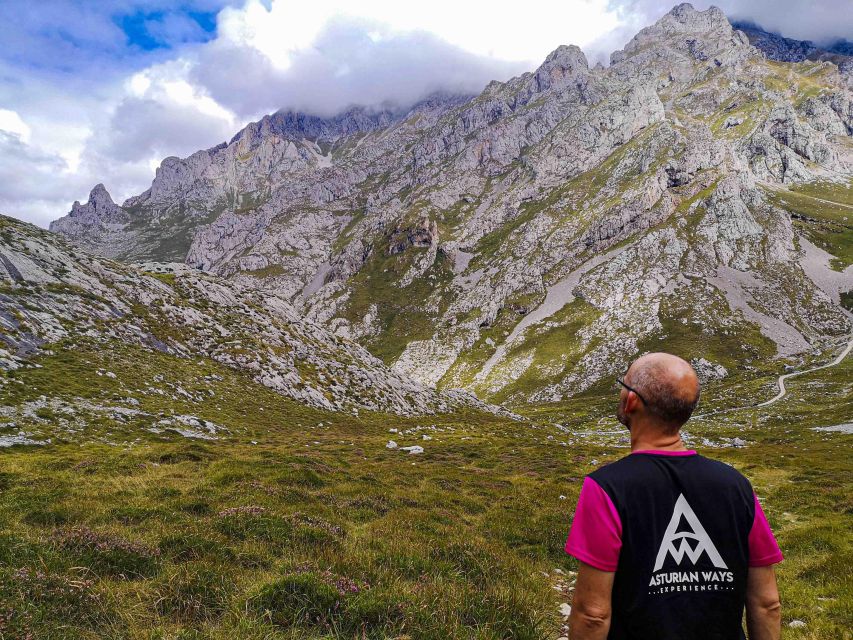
(622, 383)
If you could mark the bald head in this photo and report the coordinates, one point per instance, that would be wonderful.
(669, 386)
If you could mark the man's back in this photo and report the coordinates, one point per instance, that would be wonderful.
(680, 531)
(671, 545)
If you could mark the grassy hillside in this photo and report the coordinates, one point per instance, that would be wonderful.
(823, 211)
(295, 523)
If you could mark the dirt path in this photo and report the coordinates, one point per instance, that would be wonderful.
(782, 378)
(782, 191)
(781, 383)
(832, 202)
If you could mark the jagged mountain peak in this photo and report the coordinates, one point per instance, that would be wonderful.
(98, 209)
(685, 18)
(354, 119)
(568, 57)
(691, 19)
(305, 125)
(696, 35)
(99, 195)
(99, 200)
(562, 64)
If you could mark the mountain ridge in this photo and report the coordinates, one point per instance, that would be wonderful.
(782, 49)
(429, 236)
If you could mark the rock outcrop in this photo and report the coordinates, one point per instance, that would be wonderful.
(51, 293)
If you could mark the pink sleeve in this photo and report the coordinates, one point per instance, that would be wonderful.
(596, 534)
(763, 549)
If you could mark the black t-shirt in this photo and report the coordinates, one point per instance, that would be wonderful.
(684, 524)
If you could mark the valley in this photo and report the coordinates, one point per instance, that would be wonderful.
(180, 499)
(343, 376)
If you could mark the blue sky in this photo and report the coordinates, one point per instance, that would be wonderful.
(102, 90)
(62, 68)
(151, 30)
(72, 37)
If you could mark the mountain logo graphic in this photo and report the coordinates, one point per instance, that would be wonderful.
(677, 543)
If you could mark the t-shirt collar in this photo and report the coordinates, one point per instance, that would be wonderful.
(661, 452)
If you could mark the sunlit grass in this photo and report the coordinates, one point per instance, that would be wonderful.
(297, 523)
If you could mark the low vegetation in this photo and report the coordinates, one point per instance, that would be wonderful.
(289, 522)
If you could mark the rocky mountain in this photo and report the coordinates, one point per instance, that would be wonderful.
(526, 242)
(52, 297)
(782, 49)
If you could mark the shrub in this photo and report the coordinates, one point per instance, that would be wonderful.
(16, 551)
(46, 517)
(129, 514)
(35, 599)
(373, 611)
(252, 522)
(471, 561)
(196, 507)
(315, 531)
(7, 480)
(337, 603)
(184, 452)
(107, 553)
(302, 478)
(182, 547)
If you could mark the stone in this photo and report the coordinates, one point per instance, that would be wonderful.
(707, 370)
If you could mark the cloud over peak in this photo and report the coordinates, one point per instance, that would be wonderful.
(101, 92)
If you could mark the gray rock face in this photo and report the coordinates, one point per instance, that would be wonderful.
(51, 293)
(99, 207)
(685, 35)
(430, 234)
(291, 124)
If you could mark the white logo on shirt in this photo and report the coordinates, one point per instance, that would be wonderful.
(697, 533)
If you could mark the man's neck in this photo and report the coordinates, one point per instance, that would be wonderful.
(653, 438)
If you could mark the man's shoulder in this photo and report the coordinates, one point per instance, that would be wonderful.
(722, 470)
(632, 465)
(624, 466)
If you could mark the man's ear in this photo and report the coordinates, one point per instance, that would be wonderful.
(631, 402)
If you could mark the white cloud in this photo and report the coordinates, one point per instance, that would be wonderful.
(32, 180)
(525, 32)
(11, 122)
(349, 62)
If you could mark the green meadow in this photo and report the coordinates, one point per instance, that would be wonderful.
(262, 519)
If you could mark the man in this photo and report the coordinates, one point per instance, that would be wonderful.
(671, 545)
